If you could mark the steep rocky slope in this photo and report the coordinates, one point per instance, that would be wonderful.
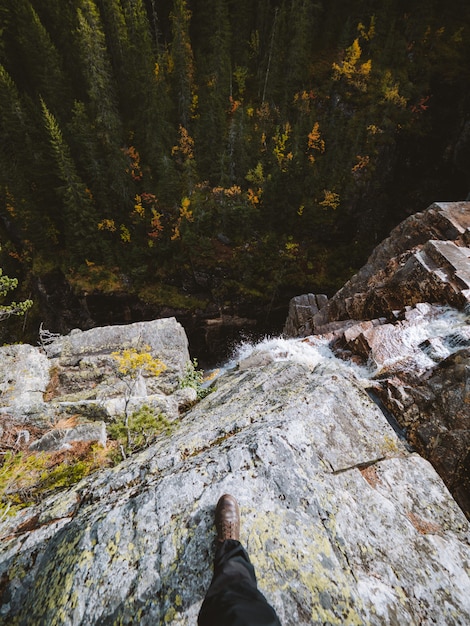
(345, 522)
(407, 312)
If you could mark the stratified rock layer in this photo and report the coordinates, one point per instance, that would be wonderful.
(343, 523)
(420, 352)
(425, 259)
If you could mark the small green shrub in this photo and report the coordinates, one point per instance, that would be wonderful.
(138, 430)
(194, 379)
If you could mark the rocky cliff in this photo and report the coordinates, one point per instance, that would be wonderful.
(407, 313)
(345, 522)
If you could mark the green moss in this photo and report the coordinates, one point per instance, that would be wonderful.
(26, 478)
(19, 477)
(91, 278)
(65, 475)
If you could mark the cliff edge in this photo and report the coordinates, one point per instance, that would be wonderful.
(344, 521)
(407, 314)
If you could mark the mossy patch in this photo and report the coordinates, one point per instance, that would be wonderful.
(28, 477)
(96, 278)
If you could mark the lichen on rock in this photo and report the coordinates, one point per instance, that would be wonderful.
(342, 526)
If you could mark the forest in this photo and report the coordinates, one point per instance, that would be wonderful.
(234, 152)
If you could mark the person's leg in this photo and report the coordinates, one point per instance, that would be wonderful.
(233, 598)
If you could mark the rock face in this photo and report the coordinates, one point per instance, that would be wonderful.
(77, 375)
(420, 352)
(301, 310)
(425, 259)
(344, 520)
(344, 524)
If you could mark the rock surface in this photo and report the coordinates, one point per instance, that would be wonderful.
(343, 523)
(425, 259)
(78, 372)
(420, 352)
(77, 376)
(301, 310)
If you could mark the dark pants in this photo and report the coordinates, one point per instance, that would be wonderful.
(233, 598)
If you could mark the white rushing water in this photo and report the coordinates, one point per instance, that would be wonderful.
(428, 334)
(309, 352)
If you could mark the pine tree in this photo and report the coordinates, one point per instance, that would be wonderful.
(21, 211)
(213, 59)
(79, 220)
(39, 60)
(146, 84)
(102, 107)
(182, 62)
(98, 74)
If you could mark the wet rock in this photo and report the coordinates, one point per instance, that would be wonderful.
(425, 259)
(437, 417)
(422, 368)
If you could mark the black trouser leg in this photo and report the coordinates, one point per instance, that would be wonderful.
(233, 598)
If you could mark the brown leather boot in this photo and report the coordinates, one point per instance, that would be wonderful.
(227, 518)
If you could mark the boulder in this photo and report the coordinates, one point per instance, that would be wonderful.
(301, 310)
(85, 368)
(24, 376)
(77, 375)
(434, 409)
(425, 259)
(343, 523)
(62, 438)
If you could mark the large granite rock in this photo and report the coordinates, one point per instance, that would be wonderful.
(425, 259)
(24, 376)
(301, 310)
(77, 375)
(343, 523)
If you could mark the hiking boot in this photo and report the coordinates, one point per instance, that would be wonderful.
(227, 518)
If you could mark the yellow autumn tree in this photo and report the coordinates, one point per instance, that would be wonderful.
(315, 143)
(351, 69)
(280, 151)
(331, 200)
(132, 365)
